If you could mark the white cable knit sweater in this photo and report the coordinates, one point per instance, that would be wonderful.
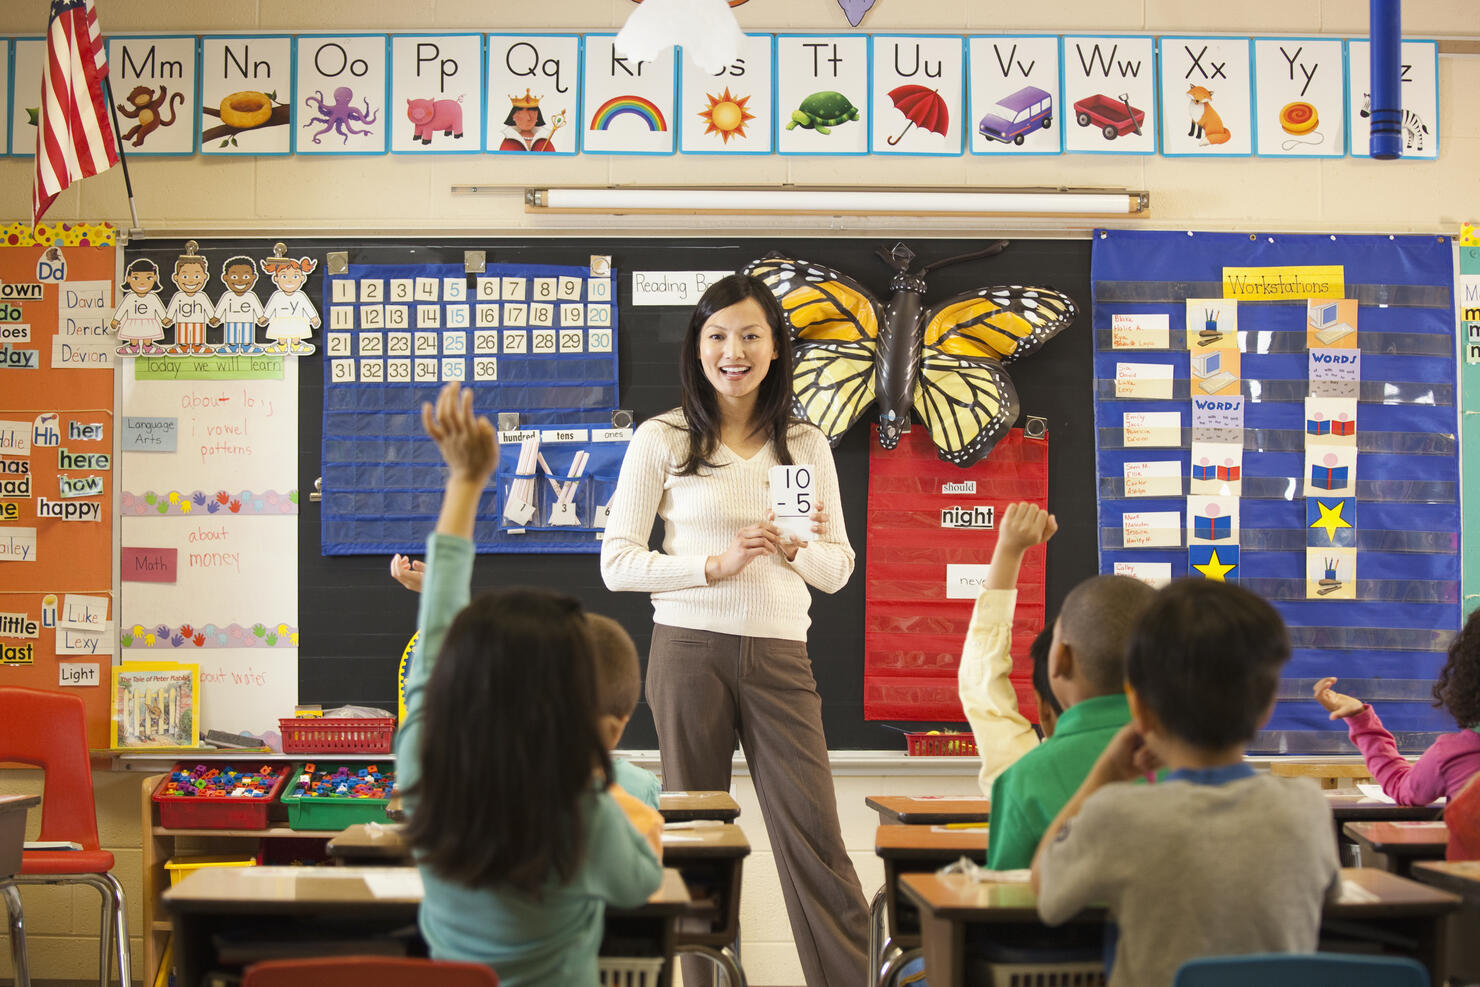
(701, 514)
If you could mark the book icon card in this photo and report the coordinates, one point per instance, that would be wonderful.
(1331, 421)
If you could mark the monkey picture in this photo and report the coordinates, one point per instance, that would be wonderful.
(147, 108)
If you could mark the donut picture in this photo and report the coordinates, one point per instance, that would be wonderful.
(1298, 118)
(245, 110)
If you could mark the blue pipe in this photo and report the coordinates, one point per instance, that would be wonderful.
(1387, 67)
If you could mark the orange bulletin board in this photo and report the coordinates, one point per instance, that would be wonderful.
(57, 433)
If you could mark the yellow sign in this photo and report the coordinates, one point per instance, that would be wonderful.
(1283, 283)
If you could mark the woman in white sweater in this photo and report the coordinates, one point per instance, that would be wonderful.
(730, 601)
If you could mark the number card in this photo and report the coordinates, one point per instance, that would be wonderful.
(372, 344)
(342, 371)
(454, 289)
(793, 500)
(488, 289)
(398, 371)
(372, 317)
(485, 342)
(396, 317)
(485, 368)
(337, 344)
(572, 341)
(372, 290)
(398, 343)
(454, 343)
(372, 371)
(487, 316)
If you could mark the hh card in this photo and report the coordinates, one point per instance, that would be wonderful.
(534, 93)
(1110, 85)
(1419, 84)
(1207, 97)
(342, 85)
(1300, 97)
(629, 104)
(918, 94)
(822, 94)
(437, 94)
(246, 93)
(1015, 97)
(26, 61)
(154, 89)
(729, 111)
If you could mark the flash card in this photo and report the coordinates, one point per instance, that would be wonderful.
(793, 500)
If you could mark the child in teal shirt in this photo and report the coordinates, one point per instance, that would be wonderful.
(503, 769)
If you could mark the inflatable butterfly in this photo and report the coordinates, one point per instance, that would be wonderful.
(946, 361)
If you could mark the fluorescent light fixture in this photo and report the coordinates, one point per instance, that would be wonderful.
(860, 202)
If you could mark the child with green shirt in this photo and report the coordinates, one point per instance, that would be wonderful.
(502, 766)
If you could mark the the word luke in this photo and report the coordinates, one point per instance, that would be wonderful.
(523, 59)
(967, 517)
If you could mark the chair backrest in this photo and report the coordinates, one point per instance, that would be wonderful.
(47, 729)
(1462, 814)
(1302, 970)
(359, 971)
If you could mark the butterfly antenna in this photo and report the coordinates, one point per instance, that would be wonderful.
(991, 251)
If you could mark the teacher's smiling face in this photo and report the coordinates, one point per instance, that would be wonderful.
(736, 347)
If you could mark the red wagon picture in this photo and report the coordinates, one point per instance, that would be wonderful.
(1115, 116)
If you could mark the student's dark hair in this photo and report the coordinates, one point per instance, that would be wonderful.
(1458, 688)
(510, 743)
(1038, 651)
(1096, 621)
(1205, 659)
(772, 414)
(618, 671)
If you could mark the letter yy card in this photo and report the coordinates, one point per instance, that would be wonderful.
(793, 499)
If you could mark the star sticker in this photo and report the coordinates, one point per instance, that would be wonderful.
(1215, 569)
(1331, 519)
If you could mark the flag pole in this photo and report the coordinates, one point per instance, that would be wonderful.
(128, 183)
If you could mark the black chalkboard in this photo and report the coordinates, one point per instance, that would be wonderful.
(355, 619)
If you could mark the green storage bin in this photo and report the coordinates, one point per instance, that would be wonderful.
(330, 813)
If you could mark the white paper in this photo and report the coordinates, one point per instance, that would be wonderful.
(1101, 69)
(78, 673)
(1156, 478)
(17, 544)
(1002, 68)
(1151, 529)
(705, 29)
(357, 64)
(88, 613)
(437, 93)
(241, 688)
(679, 288)
(1374, 791)
(1156, 574)
(261, 67)
(629, 102)
(1140, 331)
(1143, 380)
(1152, 428)
(71, 641)
(394, 882)
(547, 67)
(964, 581)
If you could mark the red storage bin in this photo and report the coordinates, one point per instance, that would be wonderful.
(198, 812)
(941, 744)
(337, 735)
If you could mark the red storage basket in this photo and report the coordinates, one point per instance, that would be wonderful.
(337, 735)
(195, 812)
(941, 744)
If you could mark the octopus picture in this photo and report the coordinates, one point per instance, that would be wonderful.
(340, 116)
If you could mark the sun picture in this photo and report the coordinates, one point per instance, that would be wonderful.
(726, 115)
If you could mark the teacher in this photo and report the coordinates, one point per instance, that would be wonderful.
(730, 601)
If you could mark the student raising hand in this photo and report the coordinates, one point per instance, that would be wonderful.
(1340, 706)
(469, 447)
(1023, 526)
(408, 573)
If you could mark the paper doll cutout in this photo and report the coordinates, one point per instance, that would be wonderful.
(239, 310)
(189, 310)
(291, 317)
(140, 316)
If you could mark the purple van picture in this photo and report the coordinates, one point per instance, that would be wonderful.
(1017, 115)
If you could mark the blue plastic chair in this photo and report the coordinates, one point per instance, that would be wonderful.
(1302, 970)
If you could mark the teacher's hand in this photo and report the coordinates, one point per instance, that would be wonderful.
(789, 545)
(750, 543)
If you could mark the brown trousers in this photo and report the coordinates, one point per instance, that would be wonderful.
(705, 689)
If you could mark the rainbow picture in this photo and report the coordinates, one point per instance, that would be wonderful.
(643, 109)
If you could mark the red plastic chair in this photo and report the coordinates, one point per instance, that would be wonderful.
(1462, 813)
(357, 971)
(46, 729)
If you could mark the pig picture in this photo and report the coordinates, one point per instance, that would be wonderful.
(432, 115)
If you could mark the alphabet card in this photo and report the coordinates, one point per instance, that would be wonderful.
(1419, 84)
(1207, 97)
(919, 94)
(1110, 84)
(534, 93)
(730, 111)
(154, 89)
(246, 88)
(629, 105)
(341, 91)
(25, 94)
(1300, 97)
(437, 93)
(1015, 95)
(822, 94)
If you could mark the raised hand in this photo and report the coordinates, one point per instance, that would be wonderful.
(468, 443)
(1023, 526)
(408, 573)
(1337, 704)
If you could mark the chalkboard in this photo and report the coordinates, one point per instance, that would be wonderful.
(355, 619)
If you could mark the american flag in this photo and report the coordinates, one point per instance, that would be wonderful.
(75, 137)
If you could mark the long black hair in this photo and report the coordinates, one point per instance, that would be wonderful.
(772, 414)
(1458, 688)
(510, 743)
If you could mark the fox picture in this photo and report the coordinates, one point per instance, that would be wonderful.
(1207, 125)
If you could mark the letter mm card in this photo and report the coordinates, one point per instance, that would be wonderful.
(1014, 95)
(1207, 96)
(731, 111)
(246, 95)
(1110, 89)
(342, 84)
(1300, 97)
(822, 94)
(436, 94)
(919, 87)
(628, 105)
(534, 94)
(155, 93)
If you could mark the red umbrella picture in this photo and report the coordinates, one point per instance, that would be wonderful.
(924, 108)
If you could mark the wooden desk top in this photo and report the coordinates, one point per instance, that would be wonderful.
(1460, 876)
(12, 803)
(717, 841)
(1349, 804)
(1401, 838)
(687, 806)
(928, 843)
(386, 841)
(928, 810)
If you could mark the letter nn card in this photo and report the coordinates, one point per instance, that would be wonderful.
(793, 500)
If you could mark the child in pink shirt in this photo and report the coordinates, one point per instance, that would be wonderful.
(1444, 768)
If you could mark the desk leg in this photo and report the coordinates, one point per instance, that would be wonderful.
(12, 896)
(876, 935)
(945, 944)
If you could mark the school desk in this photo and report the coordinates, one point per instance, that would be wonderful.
(709, 855)
(1397, 846)
(1377, 908)
(226, 917)
(1350, 805)
(929, 810)
(907, 850)
(12, 837)
(370, 844)
(689, 806)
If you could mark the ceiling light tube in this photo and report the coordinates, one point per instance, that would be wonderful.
(865, 202)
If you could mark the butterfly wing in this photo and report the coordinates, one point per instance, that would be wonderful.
(968, 404)
(1005, 323)
(834, 322)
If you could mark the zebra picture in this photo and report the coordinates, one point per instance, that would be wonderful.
(1414, 129)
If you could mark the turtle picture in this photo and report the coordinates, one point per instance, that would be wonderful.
(822, 111)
